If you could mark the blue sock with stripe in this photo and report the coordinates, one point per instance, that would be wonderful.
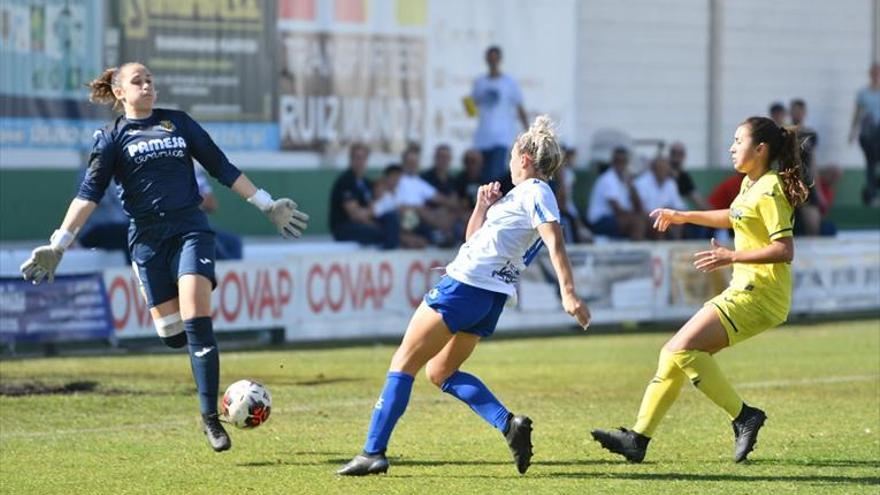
(204, 356)
(470, 390)
(389, 408)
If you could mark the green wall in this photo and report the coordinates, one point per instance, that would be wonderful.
(33, 202)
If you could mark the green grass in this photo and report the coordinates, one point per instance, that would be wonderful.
(820, 385)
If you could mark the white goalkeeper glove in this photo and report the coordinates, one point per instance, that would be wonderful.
(44, 259)
(289, 221)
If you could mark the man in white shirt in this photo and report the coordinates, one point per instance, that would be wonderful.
(615, 209)
(416, 197)
(657, 189)
(500, 103)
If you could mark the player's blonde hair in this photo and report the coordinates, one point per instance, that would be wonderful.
(541, 145)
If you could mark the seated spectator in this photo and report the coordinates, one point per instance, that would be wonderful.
(827, 183)
(725, 192)
(351, 206)
(657, 189)
(436, 212)
(573, 228)
(438, 175)
(686, 188)
(228, 245)
(107, 227)
(615, 209)
(468, 181)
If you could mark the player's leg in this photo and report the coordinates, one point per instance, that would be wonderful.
(443, 371)
(193, 264)
(425, 337)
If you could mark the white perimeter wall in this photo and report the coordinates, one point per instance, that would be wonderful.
(643, 66)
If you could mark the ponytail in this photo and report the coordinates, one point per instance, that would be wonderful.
(791, 168)
(784, 149)
(101, 88)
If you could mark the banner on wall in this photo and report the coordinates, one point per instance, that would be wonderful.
(74, 307)
(49, 50)
(372, 293)
(338, 88)
(213, 60)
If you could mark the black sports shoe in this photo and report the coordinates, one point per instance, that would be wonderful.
(519, 439)
(627, 443)
(217, 436)
(745, 429)
(364, 464)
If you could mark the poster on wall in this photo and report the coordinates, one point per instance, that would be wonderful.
(49, 50)
(351, 71)
(213, 60)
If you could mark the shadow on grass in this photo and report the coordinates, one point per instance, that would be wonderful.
(818, 462)
(858, 480)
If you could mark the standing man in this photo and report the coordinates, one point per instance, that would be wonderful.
(500, 103)
(866, 126)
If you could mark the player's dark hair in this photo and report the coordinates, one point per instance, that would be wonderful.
(784, 149)
(101, 88)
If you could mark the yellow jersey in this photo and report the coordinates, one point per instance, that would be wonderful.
(759, 215)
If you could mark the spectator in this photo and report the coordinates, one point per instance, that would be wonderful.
(573, 228)
(615, 209)
(686, 188)
(500, 103)
(469, 180)
(777, 113)
(827, 182)
(725, 192)
(657, 189)
(386, 202)
(351, 206)
(808, 216)
(107, 227)
(227, 245)
(438, 175)
(435, 211)
(866, 125)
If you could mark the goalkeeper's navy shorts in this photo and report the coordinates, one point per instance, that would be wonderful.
(159, 256)
(466, 308)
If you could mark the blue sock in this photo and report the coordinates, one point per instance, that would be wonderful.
(390, 407)
(205, 359)
(470, 390)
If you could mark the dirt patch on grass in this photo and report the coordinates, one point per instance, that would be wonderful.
(21, 389)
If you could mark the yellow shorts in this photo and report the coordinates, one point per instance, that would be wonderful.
(745, 314)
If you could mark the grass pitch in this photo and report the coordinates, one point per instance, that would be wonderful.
(133, 427)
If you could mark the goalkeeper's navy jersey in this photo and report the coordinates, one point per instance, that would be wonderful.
(152, 160)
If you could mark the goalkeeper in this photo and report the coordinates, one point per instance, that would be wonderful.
(149, 152)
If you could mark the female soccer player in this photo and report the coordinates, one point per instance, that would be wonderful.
(503, 236)
(150, 152)
(759, 295)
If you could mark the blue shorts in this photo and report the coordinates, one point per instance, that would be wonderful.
(466, 308)
(159, 265)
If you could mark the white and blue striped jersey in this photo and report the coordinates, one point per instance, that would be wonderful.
(508, 240)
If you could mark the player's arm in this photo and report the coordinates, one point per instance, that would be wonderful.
(487, 194)
(283, 212)
(780, 250)
(44, 259)
(551, 234)
(664, 217)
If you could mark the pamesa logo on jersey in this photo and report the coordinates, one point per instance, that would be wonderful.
(157, 144)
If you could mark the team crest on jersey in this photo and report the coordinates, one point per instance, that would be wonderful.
(167, 125)
(736, 214)
(507, 274)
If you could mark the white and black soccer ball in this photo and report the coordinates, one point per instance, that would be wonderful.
(246, 404)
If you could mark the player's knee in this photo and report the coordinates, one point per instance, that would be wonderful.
(436, 374)
(170, 330)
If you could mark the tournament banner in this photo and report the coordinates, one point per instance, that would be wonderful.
(214, 60)
(49, 51)
(249, 295)
(338, 88)
(74, 307)
(836, 275)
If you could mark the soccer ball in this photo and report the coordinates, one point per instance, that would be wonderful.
(246, 404)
